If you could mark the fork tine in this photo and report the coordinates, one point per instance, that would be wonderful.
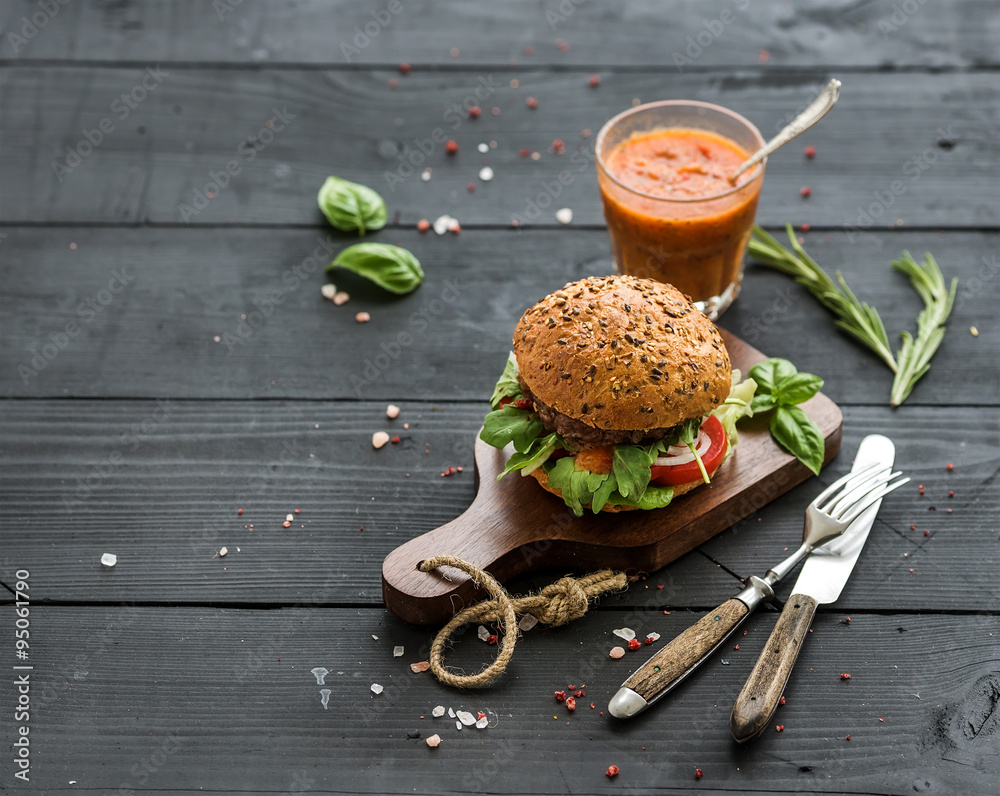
(848, 499)
(853, 512)
(864, 471)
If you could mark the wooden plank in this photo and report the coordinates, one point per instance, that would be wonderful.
(159, 485)
(201, 697)
(722, 33)
(154, 164)
(900, 567)
(155, 337)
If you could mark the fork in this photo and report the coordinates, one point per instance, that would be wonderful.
(827, 517)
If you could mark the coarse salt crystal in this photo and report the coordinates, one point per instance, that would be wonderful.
(653, 636)
(484, 148)
(626, 633)
(377, 689)
(434, 740)
(379, 438)
(289, 517)
(329, 290)
(223, 552)
(527, 622)
(341, 298)
(466, 718)
(617, 652)
(397, 652)
(451, 713)
(564, 215)
(392, 411)
(422, 666)
(486, 174)
(483, 633)
(109, 559)
(458, 726)
(438, 712)
(443, 223)
(483, 723)
(362, 317)
(425, 175)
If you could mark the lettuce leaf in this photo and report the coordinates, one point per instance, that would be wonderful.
(736, 406)
(507, 386)
(533, 458)
(510, 424)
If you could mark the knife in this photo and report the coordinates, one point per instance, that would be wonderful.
(674, 662)
(821, 581)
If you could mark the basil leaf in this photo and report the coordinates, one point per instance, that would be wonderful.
(796, 433)
(763, 403)
(798, 388)
(655, 497)
(770, 373)
(511, 425)
(351, 207)
(631, 467)
(389, 267)
(508, 385)
(536, 455)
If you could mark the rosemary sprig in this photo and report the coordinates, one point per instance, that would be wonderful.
(860, 319)
(914, 357)
(854, 317)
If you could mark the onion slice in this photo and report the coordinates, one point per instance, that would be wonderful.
(681, 454)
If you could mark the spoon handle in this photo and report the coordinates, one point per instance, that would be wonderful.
(817, 109)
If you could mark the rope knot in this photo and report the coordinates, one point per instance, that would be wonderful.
(558, 603)
(566, 600)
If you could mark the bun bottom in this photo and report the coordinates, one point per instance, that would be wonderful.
(542, 478)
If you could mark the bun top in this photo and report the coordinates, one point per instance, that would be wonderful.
(622, 353)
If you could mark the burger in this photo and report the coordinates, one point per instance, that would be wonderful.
(618, 395)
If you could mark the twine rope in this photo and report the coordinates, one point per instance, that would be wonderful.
(558, 603)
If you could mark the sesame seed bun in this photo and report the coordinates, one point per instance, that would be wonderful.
(622, 353)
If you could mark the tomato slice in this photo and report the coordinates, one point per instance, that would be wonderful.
(686, 473)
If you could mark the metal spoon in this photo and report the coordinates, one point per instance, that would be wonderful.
(817, 109)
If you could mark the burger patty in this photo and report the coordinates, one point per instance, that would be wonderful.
(579, 435)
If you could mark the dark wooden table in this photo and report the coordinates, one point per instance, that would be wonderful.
(139, 413)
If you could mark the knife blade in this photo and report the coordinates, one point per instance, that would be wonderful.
(821, 580)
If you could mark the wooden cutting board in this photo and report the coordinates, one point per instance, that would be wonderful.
(514, 526)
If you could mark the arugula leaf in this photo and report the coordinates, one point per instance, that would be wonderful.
(796, 433)
(564, 478)
(390, 267)
(689, 430)
(798, 388)
(603, 492)
(351, 207)
(631, 467)
(655, 497)
(533, 458)
(511, 424)
(507, 386)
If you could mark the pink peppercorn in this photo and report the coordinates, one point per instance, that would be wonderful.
(451, 147)
(531, 102)
(806, 191)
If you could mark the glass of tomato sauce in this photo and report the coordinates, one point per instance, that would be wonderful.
(672, 214)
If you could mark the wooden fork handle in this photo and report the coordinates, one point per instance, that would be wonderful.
(757, 702)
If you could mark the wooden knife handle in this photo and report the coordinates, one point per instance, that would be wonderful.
(758, 700)
(682, 655)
